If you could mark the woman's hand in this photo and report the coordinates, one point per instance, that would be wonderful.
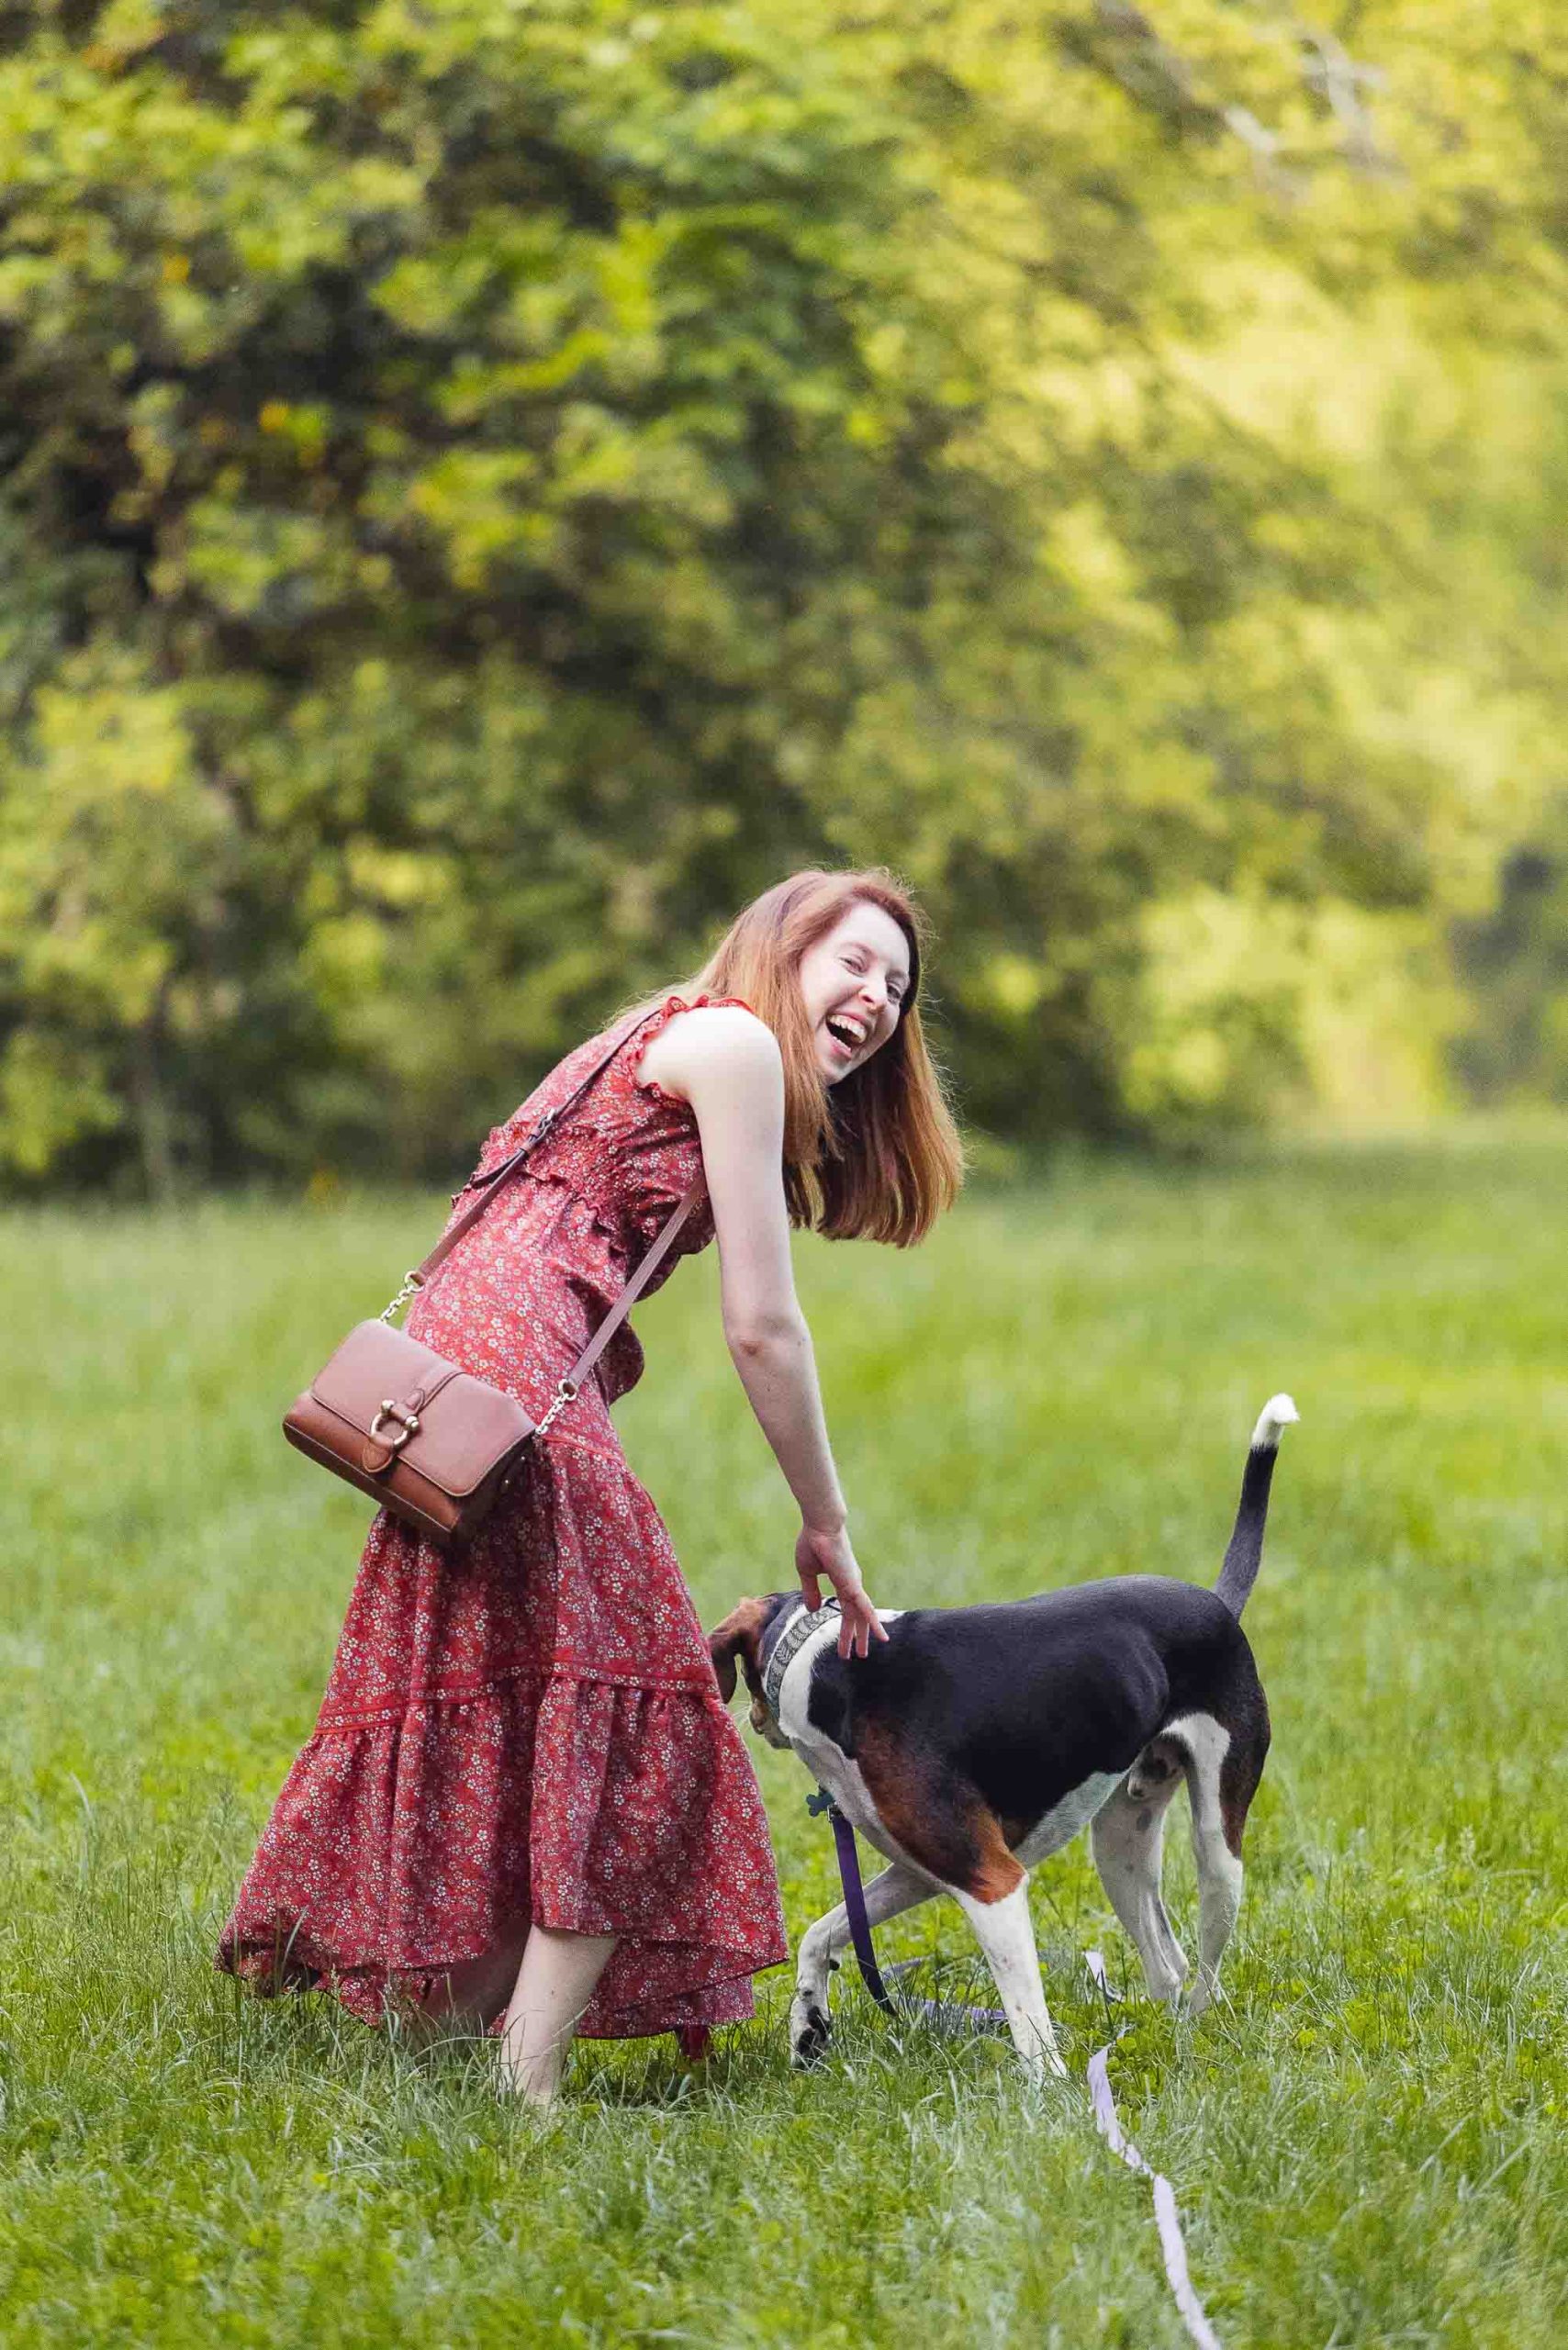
(820, 1552)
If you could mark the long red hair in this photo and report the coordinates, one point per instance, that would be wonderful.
(876, 1156)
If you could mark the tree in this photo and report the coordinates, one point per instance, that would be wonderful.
(490, 487)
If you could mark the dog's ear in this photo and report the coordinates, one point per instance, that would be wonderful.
(737, 1638)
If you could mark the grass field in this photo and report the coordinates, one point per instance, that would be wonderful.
(1369, 2142)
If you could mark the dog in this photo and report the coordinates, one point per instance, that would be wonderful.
(975, 1741)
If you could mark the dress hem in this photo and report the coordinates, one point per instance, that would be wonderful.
(370, 1993)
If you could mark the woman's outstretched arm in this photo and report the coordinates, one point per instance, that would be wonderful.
(726, 1063)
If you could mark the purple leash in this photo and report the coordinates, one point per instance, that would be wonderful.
(986, 2019)
(855, 1902)
(941, 2011)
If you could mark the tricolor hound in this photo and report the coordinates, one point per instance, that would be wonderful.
(976, 1740)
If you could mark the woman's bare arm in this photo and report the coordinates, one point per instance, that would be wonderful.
(726, 1063)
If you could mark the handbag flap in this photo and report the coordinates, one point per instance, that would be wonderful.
(466, 1427)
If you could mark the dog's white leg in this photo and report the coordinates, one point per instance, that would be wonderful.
(1128, 1839)
(1220, 1873)
(887, 1895)
(1006, 1934)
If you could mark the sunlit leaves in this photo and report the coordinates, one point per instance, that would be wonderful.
(596, 456)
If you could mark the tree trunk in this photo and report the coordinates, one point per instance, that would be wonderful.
(154, 1124)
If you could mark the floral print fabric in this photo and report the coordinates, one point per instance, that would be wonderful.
(529, 1728)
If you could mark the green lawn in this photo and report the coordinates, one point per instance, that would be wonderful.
(1369, 2142)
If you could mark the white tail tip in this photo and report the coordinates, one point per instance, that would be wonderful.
(1277, 1413)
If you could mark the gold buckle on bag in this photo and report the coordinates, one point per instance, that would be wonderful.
(391, 1411)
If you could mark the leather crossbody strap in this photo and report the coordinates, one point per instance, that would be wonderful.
(492, 1184)
(631, 1293)
(489, 1186)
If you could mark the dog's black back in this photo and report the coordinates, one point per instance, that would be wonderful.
(1028, 1699)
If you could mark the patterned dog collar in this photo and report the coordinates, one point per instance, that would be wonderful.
(788, 1647)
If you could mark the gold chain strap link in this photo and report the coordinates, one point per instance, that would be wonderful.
(564, 1394)
(412, 1282)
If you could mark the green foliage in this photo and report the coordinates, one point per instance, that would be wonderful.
(488, 487)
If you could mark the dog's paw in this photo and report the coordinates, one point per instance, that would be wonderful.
(1164, 1983)
(1042, 2065)
(810, 2029)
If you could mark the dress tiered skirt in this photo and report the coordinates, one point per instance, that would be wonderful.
(526, 1731)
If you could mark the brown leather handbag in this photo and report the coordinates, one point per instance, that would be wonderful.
(429, 1442)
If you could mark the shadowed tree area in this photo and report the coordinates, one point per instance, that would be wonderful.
(484, 489)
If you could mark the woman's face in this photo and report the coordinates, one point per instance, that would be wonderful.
(853, 981)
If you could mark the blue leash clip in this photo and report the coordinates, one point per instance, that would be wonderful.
(819, 1803)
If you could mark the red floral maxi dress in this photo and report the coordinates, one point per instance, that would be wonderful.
(528, 1730)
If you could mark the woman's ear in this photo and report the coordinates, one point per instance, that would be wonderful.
(737, 1637)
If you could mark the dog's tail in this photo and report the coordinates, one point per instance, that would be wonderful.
(1244, 1554)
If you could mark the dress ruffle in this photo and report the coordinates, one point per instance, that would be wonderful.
(463, 1803)
(656, 1026)
(527, 1731)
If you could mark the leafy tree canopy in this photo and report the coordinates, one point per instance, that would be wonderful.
(486, 486)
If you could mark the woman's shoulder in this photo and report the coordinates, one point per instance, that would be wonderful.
(689, 1034)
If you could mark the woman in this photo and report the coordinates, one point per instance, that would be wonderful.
(524, 1804)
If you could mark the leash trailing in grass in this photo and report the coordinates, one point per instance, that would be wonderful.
(1102, 2102)
(1165, 2213)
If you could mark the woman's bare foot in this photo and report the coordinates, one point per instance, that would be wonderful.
(554, 1982)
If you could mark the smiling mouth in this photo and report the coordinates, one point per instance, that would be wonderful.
(845, 1035)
